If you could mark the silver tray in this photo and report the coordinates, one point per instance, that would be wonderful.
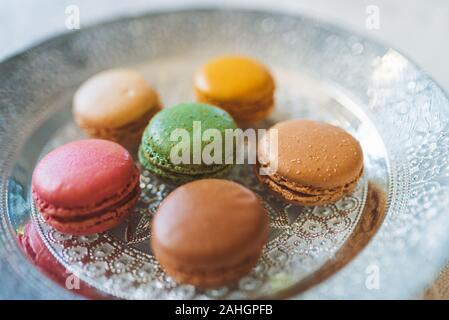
(387, 240)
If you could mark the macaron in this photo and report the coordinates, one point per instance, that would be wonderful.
(37, 252)
(317, 163)
(115, 105)
(86, 186)
(240, 85)
(209, 241)
(160, 142)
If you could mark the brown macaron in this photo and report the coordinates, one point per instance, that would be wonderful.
(209, 232)
(317, 163)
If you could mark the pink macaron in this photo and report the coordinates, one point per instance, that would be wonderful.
(38, 253)
(86, 186)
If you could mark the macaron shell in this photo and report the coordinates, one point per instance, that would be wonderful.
(315, 154)
(120, 133)
(159, 131)
(209, 278)
(233, 77)
(83, 173)
(128, 136)
(113, 98)
(176, 176)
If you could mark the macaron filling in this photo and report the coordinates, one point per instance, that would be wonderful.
(244, 111)
(307, 195)
(97, 213)
(135, 127)
(308, 190)
(150, 158)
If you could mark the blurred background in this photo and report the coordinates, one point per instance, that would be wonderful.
(415, 27)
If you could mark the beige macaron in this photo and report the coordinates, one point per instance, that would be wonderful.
(117, 105)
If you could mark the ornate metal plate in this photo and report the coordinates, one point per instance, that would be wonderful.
(387, 228)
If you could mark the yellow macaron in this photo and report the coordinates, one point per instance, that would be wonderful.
(240, 85)
(117, 105)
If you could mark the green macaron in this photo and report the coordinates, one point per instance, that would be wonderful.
(176, 140)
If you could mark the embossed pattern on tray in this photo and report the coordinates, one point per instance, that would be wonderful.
(120, 262)
(302, 239)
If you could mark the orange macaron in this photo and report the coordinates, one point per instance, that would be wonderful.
(240, 85)
(115, 105)
(316, 163)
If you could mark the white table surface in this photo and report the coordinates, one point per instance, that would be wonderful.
(418, 28)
